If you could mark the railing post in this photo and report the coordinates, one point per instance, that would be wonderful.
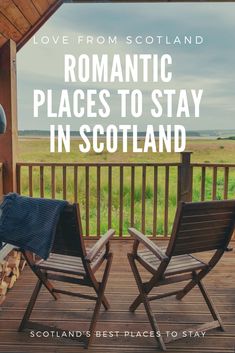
(185, 179)
(8, 96)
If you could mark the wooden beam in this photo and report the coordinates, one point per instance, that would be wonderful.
(1, 184)
(8, 99)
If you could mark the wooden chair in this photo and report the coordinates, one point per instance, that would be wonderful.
(198, 227)
(70, 262)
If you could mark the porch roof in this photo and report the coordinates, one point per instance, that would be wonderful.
(20, 19)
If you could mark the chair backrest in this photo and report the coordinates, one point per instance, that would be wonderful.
(68, 237)
(202, 226)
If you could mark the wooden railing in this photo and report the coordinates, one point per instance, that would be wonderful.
(217, 181)
(120, 195)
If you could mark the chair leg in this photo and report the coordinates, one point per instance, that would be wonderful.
(104, 300)
(182, 293)
(43, 278)
(100, 299)
(138, 299)
(30, 306)
(144, 299)
(190, 285)
(210, 304)
(135, 303)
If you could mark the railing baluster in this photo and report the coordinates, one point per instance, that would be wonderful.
(75, 184)
(192, 170)
(132, 222)
(166, 201)
(214, 183)
(121, 203)
(87, 170)
(41, 181)
(226, 174)
(155, 187)
(18, 178)
(109, 197)
(64, 182)
(30, 181)
(203, 183)
(143, 197)
(98, 201)
(52, 181)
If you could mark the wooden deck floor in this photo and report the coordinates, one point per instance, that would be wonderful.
(71, 313)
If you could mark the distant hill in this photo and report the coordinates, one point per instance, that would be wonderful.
(219, 134)
(232, 138)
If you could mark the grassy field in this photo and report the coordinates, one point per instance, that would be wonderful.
(209, 151)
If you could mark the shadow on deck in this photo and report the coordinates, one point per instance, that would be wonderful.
(74, 314)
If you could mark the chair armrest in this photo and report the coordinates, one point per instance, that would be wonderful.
(148, 244)
(99, 245)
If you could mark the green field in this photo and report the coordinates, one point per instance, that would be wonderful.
(209, 151)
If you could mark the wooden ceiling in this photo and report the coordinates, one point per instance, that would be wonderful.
(20, 19)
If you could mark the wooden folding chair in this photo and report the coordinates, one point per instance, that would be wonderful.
(198, 227)
(70, 262)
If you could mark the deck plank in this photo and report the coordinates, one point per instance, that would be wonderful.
(74, 314)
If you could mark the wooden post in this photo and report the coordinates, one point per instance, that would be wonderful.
(8, 99)
(1, 184)
(185, 178)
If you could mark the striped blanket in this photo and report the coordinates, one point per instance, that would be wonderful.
(30, 223)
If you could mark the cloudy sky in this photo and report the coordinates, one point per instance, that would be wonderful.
(209, 66)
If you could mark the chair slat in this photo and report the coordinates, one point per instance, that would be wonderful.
(207, 217)
(205, 225)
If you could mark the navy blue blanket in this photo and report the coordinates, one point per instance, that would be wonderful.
(30, 223)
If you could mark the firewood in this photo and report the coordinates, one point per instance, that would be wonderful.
(16, 272)
(13, 262)
(22, 264)
(8, 271)
(5, 270)
(2, 298)
(3, 288)
(11, 281)
(16, 254)
(2, 265)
